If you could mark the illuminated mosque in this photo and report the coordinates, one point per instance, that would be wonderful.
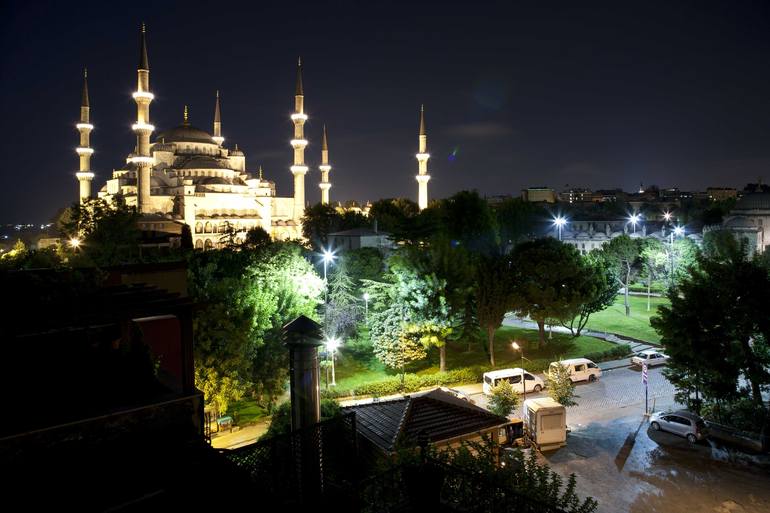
(188, 176)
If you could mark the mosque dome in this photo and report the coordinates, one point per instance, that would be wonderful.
(184, 133)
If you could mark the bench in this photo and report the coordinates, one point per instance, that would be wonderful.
(225, 423)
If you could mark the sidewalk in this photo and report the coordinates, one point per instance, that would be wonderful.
(243, 436)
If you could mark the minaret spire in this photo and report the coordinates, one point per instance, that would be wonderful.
(218, 122)
(325, 184)
(142, 128)
(298, 143)
(422, 161)
(186, 117)
(84, 150)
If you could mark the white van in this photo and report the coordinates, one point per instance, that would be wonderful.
(546, 422)
(580, 369)
(517, 377)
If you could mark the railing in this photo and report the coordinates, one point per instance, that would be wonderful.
(304, 466)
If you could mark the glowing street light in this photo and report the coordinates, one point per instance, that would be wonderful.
(678, 230)
(74, 243)
(559, 221)
(331, 347)
(516, 347)
(328, 258)
(667, 216)
(366, 306)
(634, 219)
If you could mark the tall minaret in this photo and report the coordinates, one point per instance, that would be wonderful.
(218, 123)
(325, 184)
(143, 128)
(84, 151)
(422, 160)
(298, 143)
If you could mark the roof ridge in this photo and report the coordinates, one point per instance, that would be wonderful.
(404, 416)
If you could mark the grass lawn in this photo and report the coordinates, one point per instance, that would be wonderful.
(352, 371)
(614, 319)
(247, 412)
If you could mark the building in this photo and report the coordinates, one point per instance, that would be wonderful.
(579, 195)
(721, 193)
(361, 238)
(186, 175)
(750, 221)
(587, 235)
(538, 195)
(444, 419)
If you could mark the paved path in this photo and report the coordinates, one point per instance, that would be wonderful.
(243, 436)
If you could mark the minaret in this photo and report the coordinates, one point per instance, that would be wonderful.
(422, 160)
(218, 123)
(142, 128)
(84, 151)
(298, 169)
(325, 184)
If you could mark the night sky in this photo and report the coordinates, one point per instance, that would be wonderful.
(516, 94)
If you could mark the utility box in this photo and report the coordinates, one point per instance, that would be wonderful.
(545, 421)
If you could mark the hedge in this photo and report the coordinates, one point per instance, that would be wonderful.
(463, 375)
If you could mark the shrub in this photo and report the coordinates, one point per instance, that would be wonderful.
(503, 400)
(619, 351)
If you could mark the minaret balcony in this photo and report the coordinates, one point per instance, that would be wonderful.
(422, 156)
(144, 95)
(84, 126)
(142, 127)
(84, 151)
(85, 175)
(298, 143)
(299, 116)
(325, 186)
(140, 159)
(422, 178)
(325, 168)
(218, 139)
(298, 168)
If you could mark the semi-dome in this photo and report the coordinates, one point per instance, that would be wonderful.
(754, 201)
(184, 133)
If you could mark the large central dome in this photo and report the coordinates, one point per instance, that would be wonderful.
(184, 133)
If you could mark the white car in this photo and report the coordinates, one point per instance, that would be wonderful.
(580, 369)
(651, 357)
(517, 377)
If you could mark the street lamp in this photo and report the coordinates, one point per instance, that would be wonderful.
(678, 230)
(331, 346)
(366, 306)
(559, 221)
(328, 257)
(74, 243)
(634, 219)
(667, 216)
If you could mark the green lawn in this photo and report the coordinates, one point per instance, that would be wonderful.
(247, 411)
(351, 371)
(614, 319)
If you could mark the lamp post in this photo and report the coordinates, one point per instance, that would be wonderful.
(678, 230)
(559, 221)
(517, 347)
(331, 346)
(328, 257)
(366, 306)
(74, 243)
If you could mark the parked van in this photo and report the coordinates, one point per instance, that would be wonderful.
(517, 377)
(580, 369)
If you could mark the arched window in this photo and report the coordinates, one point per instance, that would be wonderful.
(208, 245)
(199, 244)
(207, 229)
(199, 228)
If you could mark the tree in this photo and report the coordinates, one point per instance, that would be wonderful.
(364, 264)
(560, 386)
(598, 291)
(469, 222)
(343, 310)
(256, 238)
(393, 214)
(318, 222)
(493, 296)
(622, 254)
(653, 256)
(716, 329)
(547, 281)
(517, 220)
(503, 399)
(187, 241)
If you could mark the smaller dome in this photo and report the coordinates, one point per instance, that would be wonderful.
(754, 201)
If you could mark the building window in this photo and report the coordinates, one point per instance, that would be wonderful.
(198, 228)
(207, 229)
(199, 244)
(208, 244)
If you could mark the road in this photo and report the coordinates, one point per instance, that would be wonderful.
(630, 469)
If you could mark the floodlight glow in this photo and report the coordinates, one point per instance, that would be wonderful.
(423, 156)
(88, 126)
(516, 346)
(299, 115)
(84, 151)
(559, 221)
(678, 230)
(325, 167)
(634, 218)
(298, 169)
(667, 216)
(139, 159)
(366, 296)
(332, 344)
(328, 256)
(298, 143)
(74, 242)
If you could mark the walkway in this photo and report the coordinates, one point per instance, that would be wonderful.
(242, 436)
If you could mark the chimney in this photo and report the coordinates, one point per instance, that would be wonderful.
(302, 337)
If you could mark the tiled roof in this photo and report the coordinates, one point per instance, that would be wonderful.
(440, 414)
